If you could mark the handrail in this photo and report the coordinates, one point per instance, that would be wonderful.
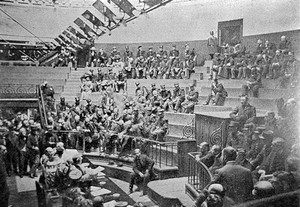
(199, 175)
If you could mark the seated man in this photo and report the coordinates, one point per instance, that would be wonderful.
(191, 100)
(165, 97)
(160, 127)
(218, 93)
(253, 84)
(143, 169)
(244, 113)
(120, 82)
(177, 98)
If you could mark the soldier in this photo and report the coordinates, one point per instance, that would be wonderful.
(48, 94)
(176, 69)
(165, 97)
(102, 58)
(120, 82)
(140, 52)
(92, 58)
(177, 99)
(22, 150)
(276, 65)
(257, 143)
(140, 67)
(149, 120)
(155, 100)
(160, 127)
(62, 106)
(12, 150)
(191, 100)
(253, 84)
(150, 57)
(136, 122)
(4, 192)
(244, 113)
(114, 56)
(216, 69)
(218, 93)
(212, 44)
(172, 55)
(285, 45)
(128, 60)
(33, 150)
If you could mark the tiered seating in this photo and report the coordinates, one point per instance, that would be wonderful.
(56, 77)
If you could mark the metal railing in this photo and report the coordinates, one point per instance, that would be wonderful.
(163, 153)
(199, 175)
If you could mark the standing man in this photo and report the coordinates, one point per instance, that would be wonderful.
(142, 169)
(236, 179)
(4, 192)
(212, 44)
(33, 150)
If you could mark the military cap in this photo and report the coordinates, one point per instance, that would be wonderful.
(137, 83)
(93, 48)
(139, 46)
(60, 146)
(266, 134)
(49, 150)
(153, 84)
(75, 174)
(191, 84)
(161, 46)
(114, 47)
(176, 84)
(162, 86)
(150, 47)
(216, 189)
(278, 140)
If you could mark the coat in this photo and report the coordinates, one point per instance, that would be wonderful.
(236, 180)
(142, 163)
(246, 114)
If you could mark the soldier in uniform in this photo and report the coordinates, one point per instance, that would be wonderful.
(173, 54)
(191, 100)
(150, 56)
(62, 106)
(149, 120)
(120, 82)
(244, 113)
(4, 192)
(177, 99)
(102, 58)
(253, 84)
(33, 150)
(160, 127)
(165, 97)
(114, 56)
(22, 149)
(212, 44)
(136, 122)
(218, 93)
(12, 155)
(48, 94)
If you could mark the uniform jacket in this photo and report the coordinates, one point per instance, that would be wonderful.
(236, 180)
(246, 114)
(142, 163)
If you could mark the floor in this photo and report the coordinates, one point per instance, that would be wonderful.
(23, 199)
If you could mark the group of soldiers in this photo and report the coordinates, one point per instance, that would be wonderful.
(267, 61)
(150, 64)
(176, 101)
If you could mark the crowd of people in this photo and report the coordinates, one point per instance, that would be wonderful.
(260, 160)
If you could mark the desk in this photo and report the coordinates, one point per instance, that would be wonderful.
(212, 127)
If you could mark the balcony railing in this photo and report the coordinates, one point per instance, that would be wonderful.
(199, 175)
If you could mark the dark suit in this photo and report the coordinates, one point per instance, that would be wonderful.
(141, 164)
(246, 114)
(236, 180)
(208, 159)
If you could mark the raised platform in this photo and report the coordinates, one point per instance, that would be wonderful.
(170, 192)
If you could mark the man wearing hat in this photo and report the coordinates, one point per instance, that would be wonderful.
(256, 143)
(128, 62)
(260, 47)
(120, 82)
(62, 105)
(140, 52)
(48, 94)
(150, 57)
(127, 54)
(102, 58)
(244, 113)
(4, 192)
(155, 99)
(275, 161)
(160, 127)
(92, 58)
(216, 68)
(33, 150)
(228, 64)
(191, 100)
(236, 179)
(165, 97)
(162, 53)
(253, 84)
(173, 54)
(285, 45)
(177, 99)
(212, 45)
(214, 196)
(218, 94)
(276, 69)
(114, 56)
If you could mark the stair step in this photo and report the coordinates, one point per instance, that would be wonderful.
(179, 118)
(207, 108)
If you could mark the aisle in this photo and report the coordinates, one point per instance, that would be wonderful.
(23, 199)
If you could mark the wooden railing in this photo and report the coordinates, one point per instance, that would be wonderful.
(199, 175)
